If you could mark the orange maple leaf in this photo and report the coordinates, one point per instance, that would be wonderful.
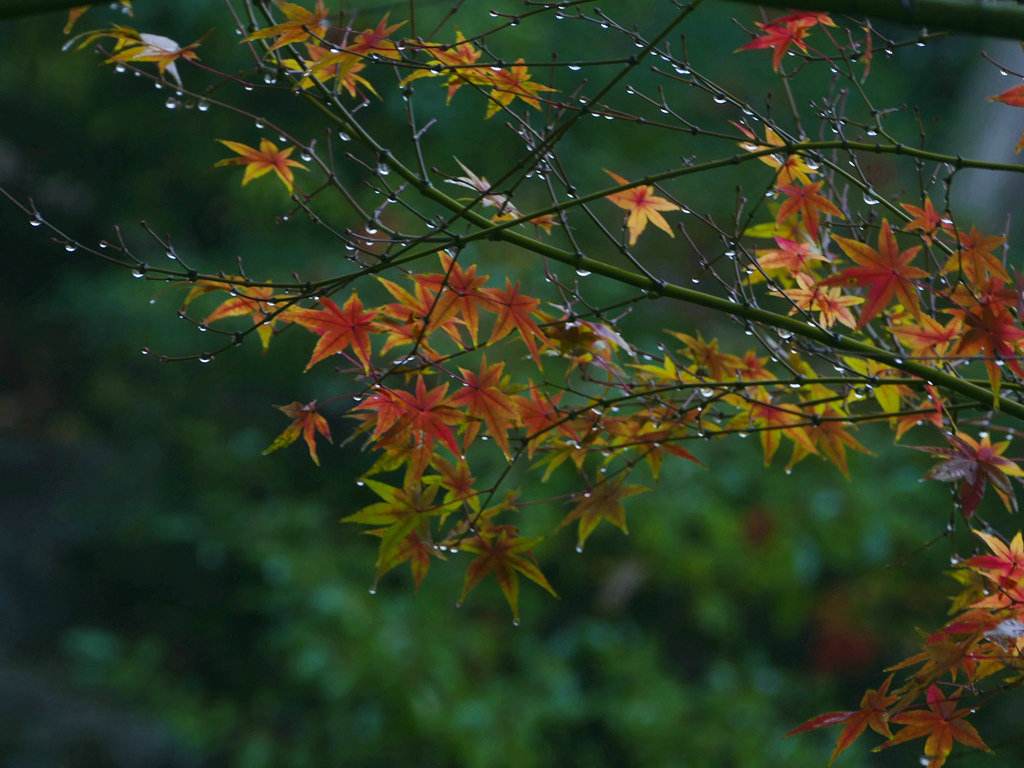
(975, 258)
(926, 220)
(643, 206)
(930, 338)
(872, 713)
(338, 328)
(885, 272)
(307, 422)
(515, 312)
(501, 551)
(1015, 98)
(602, 502)
(483, 395)
(941, 724)
(508, 84)
(790, 255)
(786, 31)
(375, 42)
(259, 162)
(807, 201)
(829, 303)
(300, 25)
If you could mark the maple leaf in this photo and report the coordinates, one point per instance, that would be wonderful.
(602, 502)
(885, 272)
(76, 12)
(508, 84)
(807, 201)
(323, 66)
(457, 481)
(307, 422)
(259, 162)
(782, 33)
(515, 312)
(299, 26)
(339, 328)
(502, 552)
(791, 169)
(425, 415)
(488, 198)
(990, 328)
(457, 61)
(829, 434)
(929, 339)
(941, 724)
(872, 713)
(402, 521)
(706, 355)
(484, 396)
(541, 417)
(133, 46)
(926, 220)
(1015, 98)
(974, 257)
(415, 316)
(829, 303)
(1005, 565)
(932, 403)
(790, 255)
(643, 206)
(256, 302)
(375, 42)
(461, 292)
(975, 465)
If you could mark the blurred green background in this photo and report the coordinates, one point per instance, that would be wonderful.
(169, 597)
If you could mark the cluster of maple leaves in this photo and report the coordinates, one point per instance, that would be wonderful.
(984, 638)
(642, 410)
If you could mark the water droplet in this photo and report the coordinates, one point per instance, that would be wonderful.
(269, 78)
(575, 67)
(869, 198)
(202, 328)
(515, 622)
(382, 169)
(259, 123)
(120, 68)
(583, 273)
(171, 103)
(372, 590)
(305, 157)
(137, 273)
(35, 221)
(144, 351)
(360, 483)
(719, 99)
(203, 105)
(206, 359)
(579, 549)
(70, 247)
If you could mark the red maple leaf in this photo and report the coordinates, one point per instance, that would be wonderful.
(339, 328)
(485, 398)
(872, 713)
(885, 272)
(515, 313)
(307, 422)
(807, 200)
(942, 724)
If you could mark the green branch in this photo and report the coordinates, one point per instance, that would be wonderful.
(994, 18)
